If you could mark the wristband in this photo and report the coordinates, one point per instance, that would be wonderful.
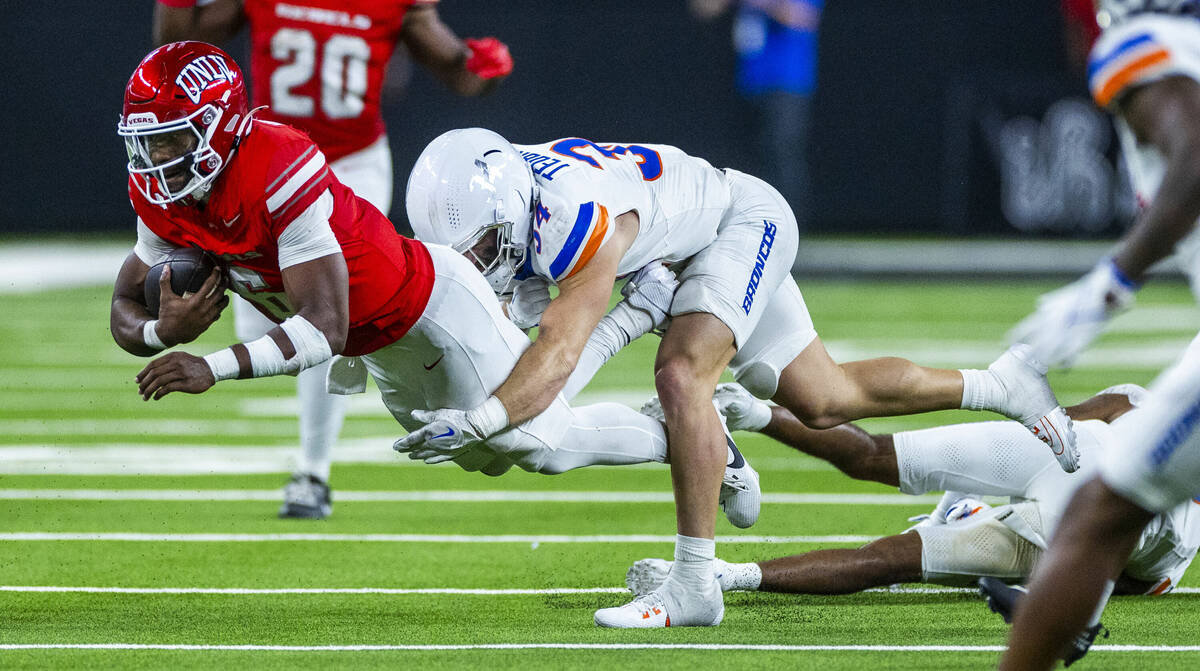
(223, 363)
(1120, 276)
(150, 335)
(266, 359)
(488, 418)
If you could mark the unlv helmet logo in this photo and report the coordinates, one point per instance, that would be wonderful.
(201, 73)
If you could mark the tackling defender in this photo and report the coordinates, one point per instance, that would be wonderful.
(336, 277)
(585, 213)
(1145, 69)
(962, 540)
(320, 66)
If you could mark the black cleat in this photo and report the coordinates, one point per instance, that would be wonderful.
(1002, 600)
(306, 497)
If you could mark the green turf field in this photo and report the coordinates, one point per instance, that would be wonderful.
(175, 503)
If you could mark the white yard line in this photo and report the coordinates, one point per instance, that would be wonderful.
(568, 646)
(207, 459)
(240, 591)
(441, 496)
(533, 539)
(447, 591)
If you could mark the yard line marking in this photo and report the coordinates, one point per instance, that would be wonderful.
(452, 591)
(402, 538)
(206, 459)
(449, 591)
(568, 646)
(440, 496)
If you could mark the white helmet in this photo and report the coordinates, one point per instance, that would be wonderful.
(1111, 12)
(466, 184)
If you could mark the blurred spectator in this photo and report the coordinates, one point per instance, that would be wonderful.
(776, 43)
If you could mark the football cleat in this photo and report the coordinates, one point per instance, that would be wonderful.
(664, 607)
(741, 494)
(647, 575)
(741, 410)
(1002, 600)
(306, 497)
(1029, 400)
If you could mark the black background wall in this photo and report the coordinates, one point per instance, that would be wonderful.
(908, 91)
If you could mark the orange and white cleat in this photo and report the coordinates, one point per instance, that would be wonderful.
(664, 607)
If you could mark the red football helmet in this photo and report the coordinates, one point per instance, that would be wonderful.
(185, 112)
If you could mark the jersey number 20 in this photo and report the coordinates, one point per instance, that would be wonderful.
(343, 73)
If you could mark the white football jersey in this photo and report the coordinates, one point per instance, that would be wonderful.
(1169, 542)
(1131, 54)
(584, 186)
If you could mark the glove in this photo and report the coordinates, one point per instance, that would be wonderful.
(489, 58)
(448, 432)
(650, 290)
(1069, 319)
(529, 301)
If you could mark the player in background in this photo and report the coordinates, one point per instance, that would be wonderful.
(1145, 69)
(338, 278)
(319, 65)
(963, 539)
(603, 210)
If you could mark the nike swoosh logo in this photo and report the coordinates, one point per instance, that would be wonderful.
(449, 432)
(230, 222)
(738, 460)
(439, 360)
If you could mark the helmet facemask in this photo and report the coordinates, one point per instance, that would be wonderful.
(495, 253)
(187, 145)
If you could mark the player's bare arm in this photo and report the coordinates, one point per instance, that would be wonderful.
(569, 320)
(319, 292)
(214, 22)
(469, 68)
(180, 320)
(1166, 115)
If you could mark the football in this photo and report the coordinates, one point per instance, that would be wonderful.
(189, 268)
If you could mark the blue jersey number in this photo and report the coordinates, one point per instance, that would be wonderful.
(648, 160)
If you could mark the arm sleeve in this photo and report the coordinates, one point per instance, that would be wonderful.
(621, 326)
(149, 247)
(309, 236)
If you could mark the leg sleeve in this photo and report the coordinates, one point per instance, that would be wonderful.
(603, 434)
(991, 458)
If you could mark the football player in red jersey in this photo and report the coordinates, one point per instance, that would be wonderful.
(336, 278)
(319, 66)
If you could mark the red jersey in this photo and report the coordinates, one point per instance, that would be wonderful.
(319, 65)
(274, 176)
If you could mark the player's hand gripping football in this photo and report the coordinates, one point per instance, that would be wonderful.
(177, 371)
(447, 432)
(181, 319)
(1069, 319)
(651, 290)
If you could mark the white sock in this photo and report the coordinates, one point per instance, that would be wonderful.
(981, 390)
(693, 561)
(321, 415)
(738, 577)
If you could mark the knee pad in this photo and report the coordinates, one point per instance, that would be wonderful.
(958, 553)
(759, 378)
